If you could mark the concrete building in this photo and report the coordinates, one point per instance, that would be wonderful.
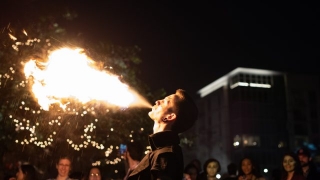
(255, 112)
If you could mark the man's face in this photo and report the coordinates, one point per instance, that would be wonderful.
(304, 160)
(63, 167)
(162, 107)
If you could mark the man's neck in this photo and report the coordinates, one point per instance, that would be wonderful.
(305, 169)
(159, 127)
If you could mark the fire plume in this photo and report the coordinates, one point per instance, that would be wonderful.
(69, 73)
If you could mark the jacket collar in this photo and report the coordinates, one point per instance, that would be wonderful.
(162, 139)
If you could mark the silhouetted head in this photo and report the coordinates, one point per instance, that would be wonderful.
(187, 112)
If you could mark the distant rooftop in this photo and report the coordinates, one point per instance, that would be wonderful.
(224, 79)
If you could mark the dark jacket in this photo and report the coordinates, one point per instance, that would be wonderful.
(313, 174)
(296, 176)
(165, 161)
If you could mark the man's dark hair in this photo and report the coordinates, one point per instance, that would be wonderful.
(232, 169)
(136, 150)
(304, 151)
(187, 112)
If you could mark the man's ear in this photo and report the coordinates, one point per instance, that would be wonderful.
(171, 116)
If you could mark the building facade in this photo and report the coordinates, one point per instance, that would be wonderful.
(256, 113)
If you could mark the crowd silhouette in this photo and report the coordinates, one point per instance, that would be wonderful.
(293, 166)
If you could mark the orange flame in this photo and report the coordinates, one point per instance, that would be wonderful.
(69, 73)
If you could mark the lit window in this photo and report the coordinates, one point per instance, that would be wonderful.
(249, 140)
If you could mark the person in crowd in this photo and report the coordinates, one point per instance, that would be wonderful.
(248, 170)
(186, 176)
(291, 169)
(232, 172)
(63, 166)
(133, 155)
(197, 163)
(210, 169)
(308, 167)
(94, 173)
(192, 170)
(26, 172)
(172, 115)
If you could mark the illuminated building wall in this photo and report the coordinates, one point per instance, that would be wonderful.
(255, 112)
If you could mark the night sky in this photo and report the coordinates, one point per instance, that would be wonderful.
(190, 44)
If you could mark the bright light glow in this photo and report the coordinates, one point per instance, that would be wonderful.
(218, 176)
(236, 143)
(281, 144)
(254, 143)
(12, 37)
(260, 85)
(250, 140)
(265, 170)
(69, 73)
(250, 84)
(243, 84)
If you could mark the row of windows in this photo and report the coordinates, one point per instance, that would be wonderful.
(252, 78)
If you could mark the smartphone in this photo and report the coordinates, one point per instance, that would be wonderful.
(123, 148)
